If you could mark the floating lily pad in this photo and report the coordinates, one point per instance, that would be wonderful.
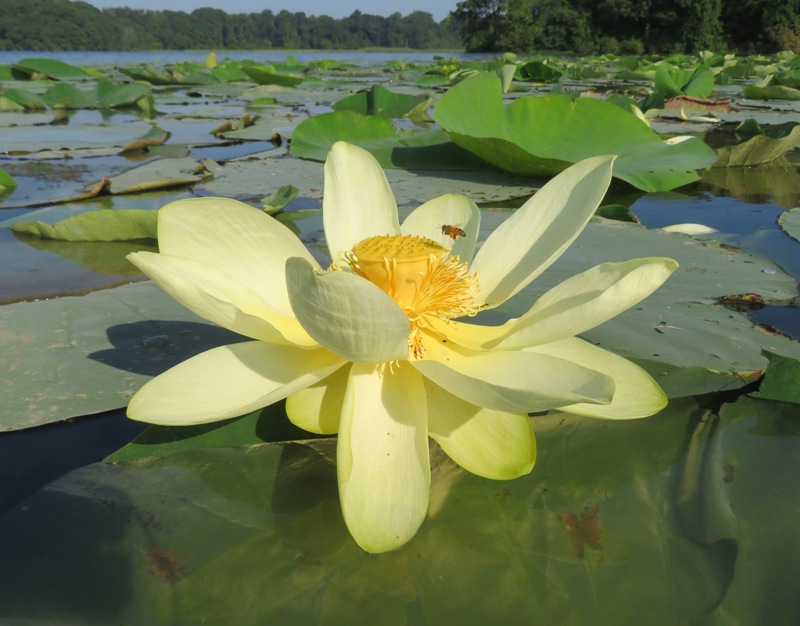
(87, 354)
(159, 174)
(280, 199)
(607, 503)
(790, 222)
(7, 184)
(71, 137)
(542, 136)
(776, 92)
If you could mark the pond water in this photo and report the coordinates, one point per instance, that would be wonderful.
(743, 208)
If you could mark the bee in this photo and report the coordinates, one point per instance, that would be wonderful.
(454, 232)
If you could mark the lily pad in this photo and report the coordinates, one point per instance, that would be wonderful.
(7, 184)
(782, 380)
(540, 136)
(120, 225)
(159, 174)
(428, 150)
(790, 222)
(280, 199)
(52, 68)
(266, 75)
(671, 81)
(88, 354)
(378, 100)
(761, 148)
(607, 503)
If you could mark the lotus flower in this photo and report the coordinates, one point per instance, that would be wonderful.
(380, 347)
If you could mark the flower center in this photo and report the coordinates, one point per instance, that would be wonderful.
(418, 275)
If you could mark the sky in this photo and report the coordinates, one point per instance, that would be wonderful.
(335, 8)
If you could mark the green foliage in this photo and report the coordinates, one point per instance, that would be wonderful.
(614, 26)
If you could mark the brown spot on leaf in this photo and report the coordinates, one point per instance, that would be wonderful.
(165, 563)
(583, 530)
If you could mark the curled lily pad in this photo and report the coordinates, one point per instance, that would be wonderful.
(671, 81)
(542, 136)
(159, 174)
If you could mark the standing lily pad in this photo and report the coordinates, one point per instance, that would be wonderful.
(266, 75)
(57, 70)
(120, 225)
(378, 100)
(542, 136)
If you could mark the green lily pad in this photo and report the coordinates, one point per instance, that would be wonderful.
(119, 225)
(671, 81)
(88, 354)
(683, 322)
(378, 100)
(27, 100)
(159, 174)
(71, 137)
(57, 70)
(266, 75)
(539, 72)
(782, 380)
(280, 199)
(762, 148)
(7, 184)
(431, 150)
(790, 222)
(68, 96)
(607, 504)
(539, 136)
(772, 92)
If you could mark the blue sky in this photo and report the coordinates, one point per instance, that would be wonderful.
(335, 8)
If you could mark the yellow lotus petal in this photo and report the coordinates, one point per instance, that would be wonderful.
(517, 382)
(347, 314)
(318, 408)
(382, 456)
(492, 444)
(637, 394)
(530, 240)
(220, 298)
(452, 210)
(237, 239)
(584, 301)
(229, 381)
(358, 202)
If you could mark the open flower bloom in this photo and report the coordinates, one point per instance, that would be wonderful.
(373, 349)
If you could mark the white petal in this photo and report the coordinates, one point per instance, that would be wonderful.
(229, 381)
(237, 239)
(452, 209)
(318, 408)
(382, 456)
(357, 200)
(584, 301)
(220, 298)
(515, 381)
(530, 240)
(347, 314)
(492, 444)
(636, 395)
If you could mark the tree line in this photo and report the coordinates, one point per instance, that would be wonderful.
(580, 26)
(629, 26)
(66, 25)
